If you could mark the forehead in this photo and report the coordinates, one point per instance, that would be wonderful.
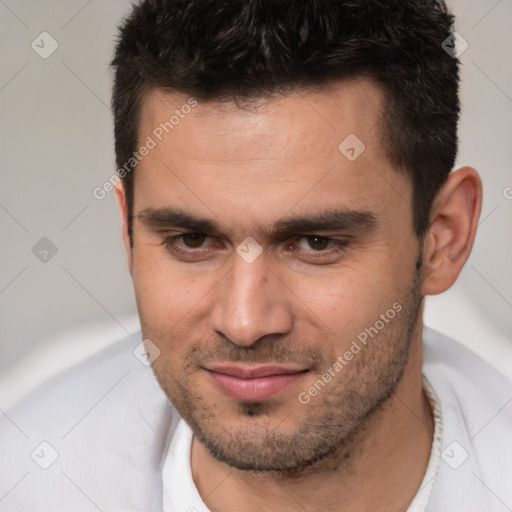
(331, 111)
(267, 156)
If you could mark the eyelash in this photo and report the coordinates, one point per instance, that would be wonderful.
(170, 243)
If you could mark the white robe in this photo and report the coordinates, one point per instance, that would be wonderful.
(110, 440)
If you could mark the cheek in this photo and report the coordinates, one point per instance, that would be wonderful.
(167, 298)
(351, 298)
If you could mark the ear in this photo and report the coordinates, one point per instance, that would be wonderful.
(453, 222)
(123, 210)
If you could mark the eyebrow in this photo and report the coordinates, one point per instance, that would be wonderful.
(326, 220)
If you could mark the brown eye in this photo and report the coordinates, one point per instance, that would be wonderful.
(318, 243)
(193, 240)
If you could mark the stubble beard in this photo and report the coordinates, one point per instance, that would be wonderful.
(334, 418)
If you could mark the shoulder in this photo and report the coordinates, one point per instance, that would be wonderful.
(101, 425)
(457, 371)
(476, 404)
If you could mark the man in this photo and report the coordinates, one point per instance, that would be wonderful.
(287, 202)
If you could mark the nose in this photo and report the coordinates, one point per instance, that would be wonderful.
(249, 303)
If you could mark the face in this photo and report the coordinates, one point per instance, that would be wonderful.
(275, 272)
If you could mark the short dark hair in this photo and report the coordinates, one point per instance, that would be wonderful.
(249, 49)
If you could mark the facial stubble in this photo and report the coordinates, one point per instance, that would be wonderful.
(332, 419)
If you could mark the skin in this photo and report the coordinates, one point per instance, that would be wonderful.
(363, 442)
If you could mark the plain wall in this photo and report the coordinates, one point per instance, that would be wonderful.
(57, 146)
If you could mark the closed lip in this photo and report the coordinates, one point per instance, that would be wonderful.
(253, 383)
(254, 372)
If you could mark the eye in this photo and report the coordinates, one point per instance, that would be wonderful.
(316, 248)
(193, 240)
(186, 243)
(317, 243)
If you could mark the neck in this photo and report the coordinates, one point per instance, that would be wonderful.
(381, 468)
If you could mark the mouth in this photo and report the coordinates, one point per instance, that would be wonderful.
(253, 383)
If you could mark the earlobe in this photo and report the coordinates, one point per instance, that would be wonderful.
(453, 222)
(123, 211)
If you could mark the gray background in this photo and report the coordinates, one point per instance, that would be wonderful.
(57, 146)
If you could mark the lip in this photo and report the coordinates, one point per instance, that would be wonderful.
(253, 384)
